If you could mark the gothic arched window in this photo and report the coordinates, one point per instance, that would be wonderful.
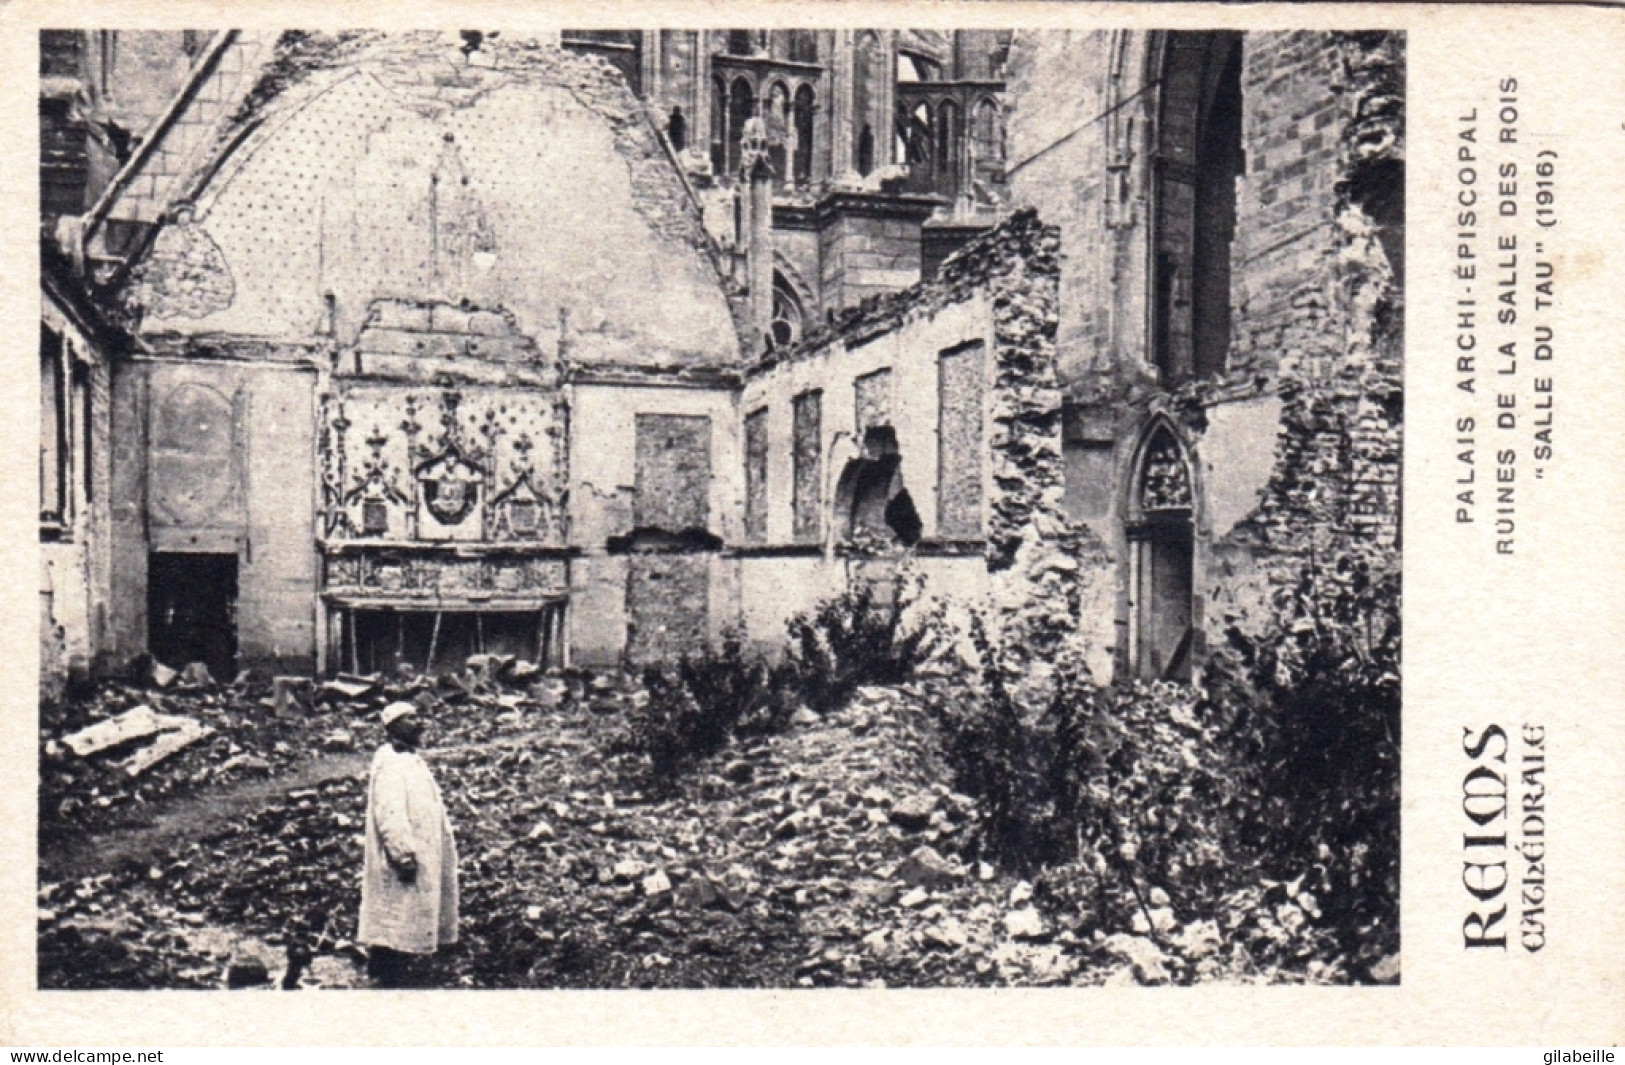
(949, 141)
(787, 316)
(741, 109)
(719, 126)
(1199, 158)
(803, 46)
(986, 143)
(866, 150)
(778, 129)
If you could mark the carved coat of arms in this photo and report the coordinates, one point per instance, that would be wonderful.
(451, 487)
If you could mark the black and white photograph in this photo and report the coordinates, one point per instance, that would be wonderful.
(719, 508)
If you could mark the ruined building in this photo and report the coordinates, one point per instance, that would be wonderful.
(589, 349)
(882, 151)
(96, 92)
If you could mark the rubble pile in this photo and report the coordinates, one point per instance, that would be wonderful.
(106, 757)
(832, 855)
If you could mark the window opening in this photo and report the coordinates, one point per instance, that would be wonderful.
(677, 130)
(949, 140)
(914, 144)
(804, 107)
(787, 320)
(719, 126)
(53, 457)
(866, 150)
(85, 448)
(803, 46)
(1199, 159)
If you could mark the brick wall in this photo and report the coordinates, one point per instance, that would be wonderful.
(673, 472)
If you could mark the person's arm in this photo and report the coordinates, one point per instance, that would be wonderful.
(389, 798)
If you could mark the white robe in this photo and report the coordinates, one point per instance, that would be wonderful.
(406, 816)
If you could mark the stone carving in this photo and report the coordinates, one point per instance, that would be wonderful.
(473, 464)
(1165, 482)
(405, 573)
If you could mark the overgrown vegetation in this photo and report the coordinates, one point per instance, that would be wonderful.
(1323, 683)
(1250, 829)
(857, 638)
(697, 705)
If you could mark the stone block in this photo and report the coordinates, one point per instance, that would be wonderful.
(448, 319)
(489, 324)
(293, 695)
(417, 345)
(399, 315)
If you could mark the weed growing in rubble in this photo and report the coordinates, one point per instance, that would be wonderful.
(858, 638)
(1205, 822)
(1322, 680)
(698, 704)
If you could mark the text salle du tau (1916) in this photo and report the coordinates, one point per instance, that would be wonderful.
(1504, 347)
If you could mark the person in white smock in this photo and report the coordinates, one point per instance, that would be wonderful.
(409, 879)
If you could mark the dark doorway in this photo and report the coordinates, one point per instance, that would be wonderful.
(380, 641)
(192, 611)
(1164, 558)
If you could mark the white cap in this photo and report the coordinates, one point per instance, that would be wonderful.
(395, 711)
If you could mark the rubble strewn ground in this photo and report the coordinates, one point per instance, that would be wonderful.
(834, 854)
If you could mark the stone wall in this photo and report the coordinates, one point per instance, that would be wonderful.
(972, 401)
(246, 490)
(1335, 486)
(381, 216)
(376, 166)
(75, 548)
(868, 244)
(1307, 403)
(175, 154)
(647, 517)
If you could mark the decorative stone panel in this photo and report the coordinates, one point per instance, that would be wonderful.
(433, 577)
(482, 465)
